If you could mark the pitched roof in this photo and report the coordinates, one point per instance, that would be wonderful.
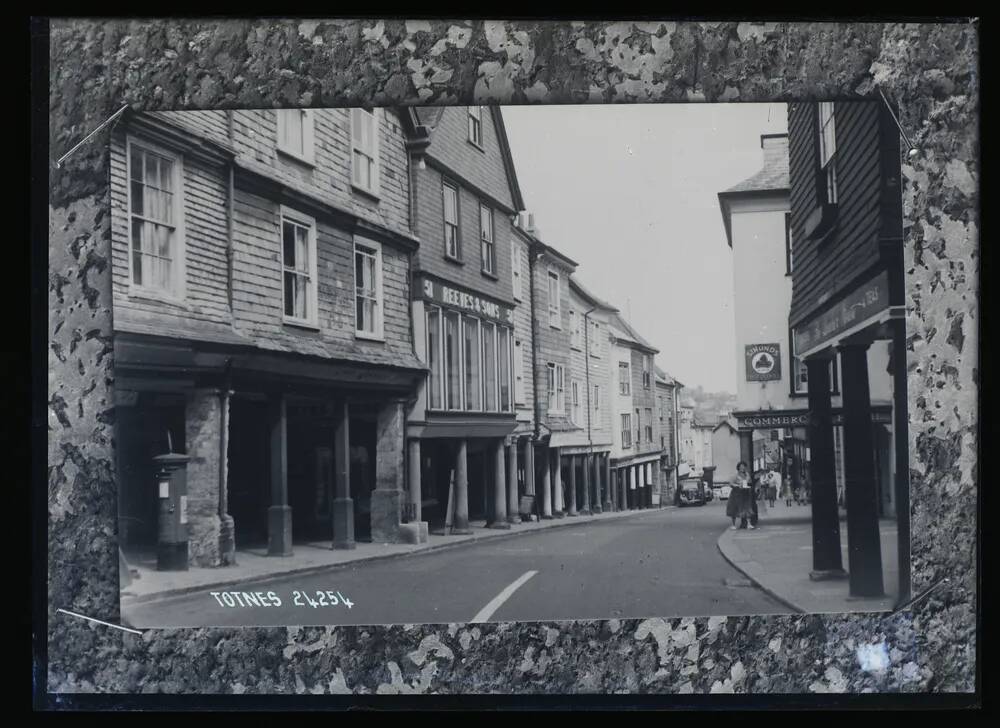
(772, 177)
(622, 330)
(574, 282)
(430, 116)
(730, 422)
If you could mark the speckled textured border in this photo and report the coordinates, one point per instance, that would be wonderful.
(930, 71)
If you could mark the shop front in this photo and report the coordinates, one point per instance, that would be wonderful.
(459, 428)
(279, 449)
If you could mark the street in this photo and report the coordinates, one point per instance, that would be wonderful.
(657, 563)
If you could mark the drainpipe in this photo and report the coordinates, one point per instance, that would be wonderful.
(586, 370)
(534, 339)
(229, 216)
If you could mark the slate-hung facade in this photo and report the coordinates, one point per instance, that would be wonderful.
(460, 444)
(262, 284)
(847, 304)
(637, 448)
(667, 401)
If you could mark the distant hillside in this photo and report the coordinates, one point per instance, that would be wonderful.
(707, 405)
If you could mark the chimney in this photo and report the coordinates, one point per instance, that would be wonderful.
(775, 148)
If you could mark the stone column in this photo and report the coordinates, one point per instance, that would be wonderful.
(499, 488)
(547, 486)
(204, 416)
(343, 506)
(558, 506)
(613, 480)
(279, 515)
(596, 506)
(571, 462)
(585, 509)
(827, 561)
(512, 497)
(609, 492)
(622, 488)
(387, 498)
(861, 491)
(900, 437)
(461, 522)
(227, 526)
(529, 467)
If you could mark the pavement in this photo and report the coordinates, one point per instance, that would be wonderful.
(636, 564)
(253, 565)
(777, 557)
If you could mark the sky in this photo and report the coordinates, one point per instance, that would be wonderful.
(629, 191)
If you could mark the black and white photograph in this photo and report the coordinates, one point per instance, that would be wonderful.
(398, 363)
(482, 363)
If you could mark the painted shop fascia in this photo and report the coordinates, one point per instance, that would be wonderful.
(240, 325)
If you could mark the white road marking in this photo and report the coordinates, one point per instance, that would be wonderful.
(486, 612)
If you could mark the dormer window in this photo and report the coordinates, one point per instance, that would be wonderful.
(476, 125)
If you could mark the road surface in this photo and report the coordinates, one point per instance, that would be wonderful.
(658, 563)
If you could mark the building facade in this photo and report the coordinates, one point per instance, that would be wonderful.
(635, 456)
(261, 281)
(460, 424)
(847, 308)
(773, 382)
(667, 397)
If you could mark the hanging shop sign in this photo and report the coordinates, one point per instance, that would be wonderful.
(763, 362)
(858, 309)
(454, 297)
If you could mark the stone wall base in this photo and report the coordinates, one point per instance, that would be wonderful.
(386, 515)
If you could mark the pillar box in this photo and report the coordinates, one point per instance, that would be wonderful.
(172, 538)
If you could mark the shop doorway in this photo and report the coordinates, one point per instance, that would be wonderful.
(249, 485)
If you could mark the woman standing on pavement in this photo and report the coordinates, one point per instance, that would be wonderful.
(772, 487)
(738, 505)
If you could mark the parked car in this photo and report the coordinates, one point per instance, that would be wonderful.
(691, 492)
(722, 490)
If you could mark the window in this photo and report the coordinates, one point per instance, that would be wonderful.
(157, 240)
(575, 330)
(486, 237)
(471, 347)
(595, 338)
(434, 357)
(624, 377)
(638, 427)
(515, 268)
(364, 150)
(452, 241)
(576, 402)
(368, 289)
(489, 367)
(788, 243)
(476, 125)
(452, 362)
(295, 133)
(649, 424)
(557, 403)
(800, 373)
(504, 367)
(645, 371)
(828, 150)
(518, 372)
(597, 398)
(298, 244)
(555, 311)
(626, 431)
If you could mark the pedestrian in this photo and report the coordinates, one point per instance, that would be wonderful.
(772, 487)
(738, 507)
(785, 488)
(759, 493)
